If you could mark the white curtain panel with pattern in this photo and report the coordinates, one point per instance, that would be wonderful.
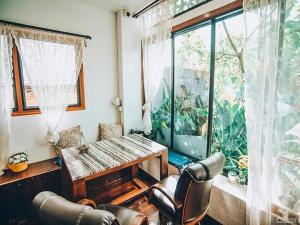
(156, 27)
(52, 64)
(272, 103)
(6, 94)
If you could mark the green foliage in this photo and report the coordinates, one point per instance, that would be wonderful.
(229, 131)
(188, 121)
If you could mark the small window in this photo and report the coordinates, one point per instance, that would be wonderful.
(182, 6)
(25, 103)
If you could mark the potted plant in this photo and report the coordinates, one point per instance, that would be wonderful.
(18, 162)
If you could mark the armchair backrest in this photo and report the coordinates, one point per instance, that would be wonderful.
(194, 187)
(55, 210)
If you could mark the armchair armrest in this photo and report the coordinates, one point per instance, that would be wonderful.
(87, 202)
(177, 203)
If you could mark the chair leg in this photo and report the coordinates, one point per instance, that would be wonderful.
(163, 219)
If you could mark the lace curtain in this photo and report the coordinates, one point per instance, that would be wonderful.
(272, 103)
(51, 63)
(156, 44)
(6, 94)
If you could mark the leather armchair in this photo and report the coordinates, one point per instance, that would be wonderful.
(185, 199)
(55, 210)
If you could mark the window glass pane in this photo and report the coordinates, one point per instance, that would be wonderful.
(192, 65)
(161, 104)
(53, 49)
(229, 127)
(287, 123)
(31, 102)
(183, 5)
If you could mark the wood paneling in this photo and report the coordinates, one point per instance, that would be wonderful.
(217, 12)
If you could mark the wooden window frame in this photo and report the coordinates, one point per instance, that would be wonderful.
(20, 109)
(237, 4)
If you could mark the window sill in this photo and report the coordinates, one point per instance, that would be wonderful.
(236, 190)
(228, 205)
(37, 111)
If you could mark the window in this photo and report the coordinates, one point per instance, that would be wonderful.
(25, 102)
(182, 6)
(209, 114)
(209, 117)
(229, 123)
(192, 82)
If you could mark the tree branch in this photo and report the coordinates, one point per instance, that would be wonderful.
(239, 55)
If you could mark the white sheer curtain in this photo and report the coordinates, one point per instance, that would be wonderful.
(156, 44)
(52, 63)
(6, 94)
(272, 103)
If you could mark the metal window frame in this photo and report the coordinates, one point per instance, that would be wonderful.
(212, 22)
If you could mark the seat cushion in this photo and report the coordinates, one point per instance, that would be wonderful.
(160, 199)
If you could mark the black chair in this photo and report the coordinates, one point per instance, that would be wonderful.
(185, 199)
(55, 210)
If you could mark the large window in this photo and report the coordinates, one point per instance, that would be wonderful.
(209, 114)
(25, 102)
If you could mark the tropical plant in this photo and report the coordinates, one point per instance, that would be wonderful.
(229, 131)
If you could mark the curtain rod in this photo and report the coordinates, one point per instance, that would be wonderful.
(45, 29)
(146, 8)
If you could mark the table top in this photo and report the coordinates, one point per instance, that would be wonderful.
(108, 154)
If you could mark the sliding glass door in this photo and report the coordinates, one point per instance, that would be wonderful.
(202, 110)
(229, 124)
(192, 51)
(209, 89)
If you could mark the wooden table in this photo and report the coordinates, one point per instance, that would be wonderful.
(108, 157)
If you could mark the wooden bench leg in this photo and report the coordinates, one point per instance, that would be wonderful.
(164, 164)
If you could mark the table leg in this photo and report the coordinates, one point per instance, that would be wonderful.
(164, 164)
(134, 170)
(79, 190)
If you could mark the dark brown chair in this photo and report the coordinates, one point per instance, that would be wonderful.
(55, 210)
(185, 199)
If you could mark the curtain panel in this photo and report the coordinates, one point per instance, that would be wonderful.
(6, 94)
(52, 64)
(272, 83)
(156, 25)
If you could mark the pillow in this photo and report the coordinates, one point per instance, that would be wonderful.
(68, 138)
(108, 131)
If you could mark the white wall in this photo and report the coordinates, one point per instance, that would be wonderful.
(129, 64)
(99, 67)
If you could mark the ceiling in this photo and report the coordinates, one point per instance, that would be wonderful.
(115, 5)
